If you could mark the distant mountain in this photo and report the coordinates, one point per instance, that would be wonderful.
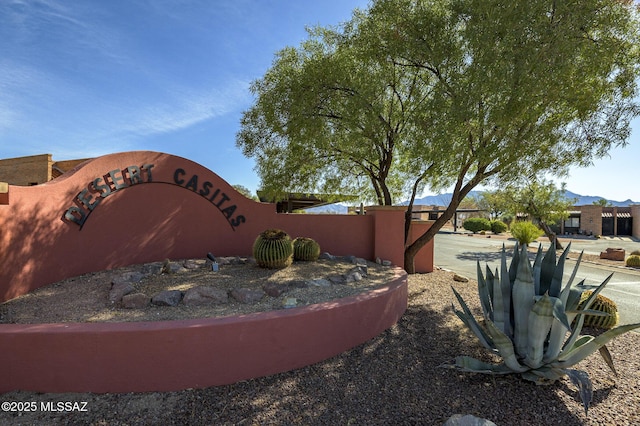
(583, 200)
(445, 199)
(337, 208)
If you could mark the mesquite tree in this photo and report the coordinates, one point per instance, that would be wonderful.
(417, 94)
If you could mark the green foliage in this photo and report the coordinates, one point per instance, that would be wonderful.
(306, 249)
(602, 202)
(498, 226)
(525, 232)
(477, 224)
(527, 313)
(633, 261)
(273, 249)
(601, 304)
(411, 95)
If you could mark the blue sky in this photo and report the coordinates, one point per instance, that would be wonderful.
(86, 78)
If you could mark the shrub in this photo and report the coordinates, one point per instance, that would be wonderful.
(527, 314)
(476, 224)
(633, 261)
(635, 253)
(525, 232)
(273, 249)
(498, 226)
(306, 249)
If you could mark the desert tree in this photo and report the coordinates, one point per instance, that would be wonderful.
(445, 94)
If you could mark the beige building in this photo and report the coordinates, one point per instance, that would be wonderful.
(598, 220)
(34, 169)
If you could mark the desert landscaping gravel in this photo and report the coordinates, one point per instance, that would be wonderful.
(398, 377)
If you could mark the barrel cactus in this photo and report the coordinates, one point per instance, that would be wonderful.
(306, 249)
(273, 249)
(528, 314)
(602, 304)
(633, 261)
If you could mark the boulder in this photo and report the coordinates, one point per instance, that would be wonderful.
(203, 295)
(247, 295)
(167, 298)
(119, 290)
(128, 278)
(460, 278)
(274, 289)
(135, 301)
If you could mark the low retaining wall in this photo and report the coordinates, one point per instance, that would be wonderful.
(175, 355)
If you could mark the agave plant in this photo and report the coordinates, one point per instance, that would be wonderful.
(527, 321)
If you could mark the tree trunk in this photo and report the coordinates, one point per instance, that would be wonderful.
(550, 234)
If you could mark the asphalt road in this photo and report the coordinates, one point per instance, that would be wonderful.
(460, 252)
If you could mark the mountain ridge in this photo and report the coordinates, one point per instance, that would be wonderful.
(443, 200)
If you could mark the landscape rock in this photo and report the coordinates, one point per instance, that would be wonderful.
(203, 295)
(167, 298)
(135, 301)
(359, 261)
(297, 284)
(327, 256)
(361, 269)
(128, 277)
(192, 264)
(119, 290)
(289, 302)
(467, 420)
(460, 278)
(337, 279)
(247, 295)
(387, 263)
(274, 289)
(319, 282)
(353, 276)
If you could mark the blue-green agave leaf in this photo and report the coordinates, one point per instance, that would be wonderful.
(556, 281)
(499, 314)
(522, 298)
(585, 388)
(578, 352)
(537, 267)
(467, 363)
(483, 292)
(548, 270)
(580, 312)
(505, 286)
(469, 320)
(505, 348)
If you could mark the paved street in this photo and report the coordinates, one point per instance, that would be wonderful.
(459, 253)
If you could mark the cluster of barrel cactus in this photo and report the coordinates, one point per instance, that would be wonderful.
(274, 249)
(528, 313)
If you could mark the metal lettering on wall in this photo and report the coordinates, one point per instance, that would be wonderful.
(118, 179)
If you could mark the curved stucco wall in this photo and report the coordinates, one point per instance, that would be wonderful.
(143, 206)
(174, 355)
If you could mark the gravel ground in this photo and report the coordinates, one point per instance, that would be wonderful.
(395, 378)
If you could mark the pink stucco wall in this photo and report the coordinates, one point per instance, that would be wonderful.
(143, 206)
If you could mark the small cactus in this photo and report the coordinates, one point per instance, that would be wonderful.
(633, 261)
(273, 249)
(635, 252)
(306, 249)
(602, 304)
